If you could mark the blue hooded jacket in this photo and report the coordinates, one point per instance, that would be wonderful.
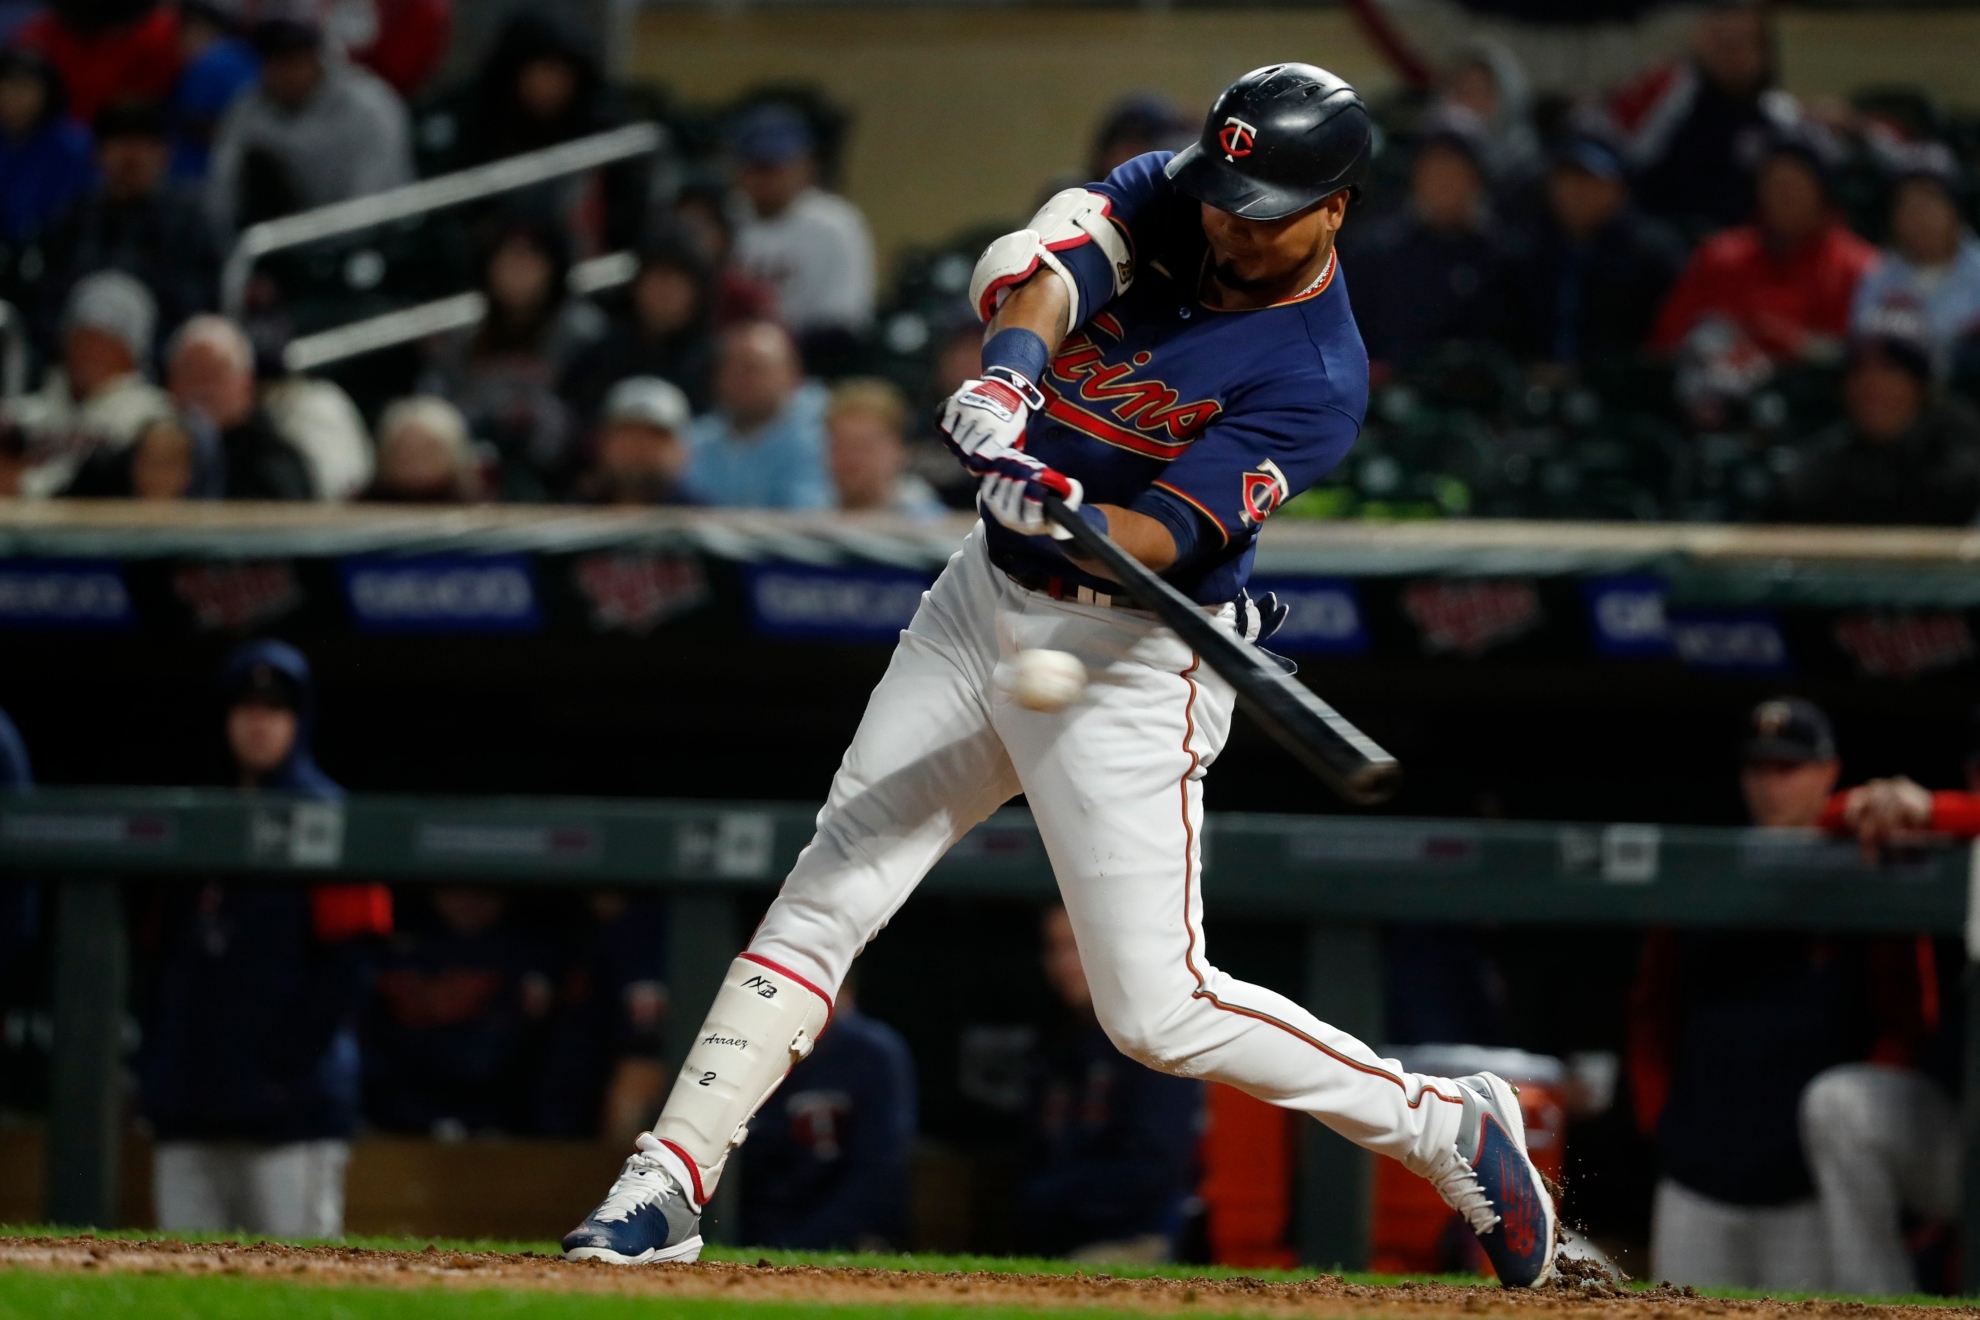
(45, 170)
(250, 1033)
(299, 774)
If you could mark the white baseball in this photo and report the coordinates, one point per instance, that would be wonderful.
(1047, 680)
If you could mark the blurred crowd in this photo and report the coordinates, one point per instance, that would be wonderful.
(1689, 297)
(139, 141)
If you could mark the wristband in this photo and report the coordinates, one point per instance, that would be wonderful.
(1019, 351)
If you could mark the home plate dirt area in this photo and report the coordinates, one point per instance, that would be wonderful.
(814, 1286)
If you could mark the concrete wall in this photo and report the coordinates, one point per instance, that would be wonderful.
(963, 113)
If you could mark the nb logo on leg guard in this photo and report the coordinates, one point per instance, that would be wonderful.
(761, 986)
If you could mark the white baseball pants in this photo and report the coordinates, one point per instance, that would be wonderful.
(1880, 1140)
(291, 1190)
(1114, 783)
(1697, 1240)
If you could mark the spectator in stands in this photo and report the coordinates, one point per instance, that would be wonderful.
(98, 397)
(642, 445)
(763, 446)
(1113, 1143)
(249, 1067)
(1933, 263)
(1135, 126)
(606, 1073)
(831, 1156)
(1757, 1017)
(122, 50)
(1434, 273)
(136, 222)
(665, 327)
(210, 366)
(810, 245)
(1905, 453)
(1688, 126)
(217, 66)
(539, 85)
(1783, 282)
(455, 1026)
(402, 41)
(173, 458)
(325, 427)
(867, 452)
(425, 455)
(313, 131)
(704, 214)
(1486, 79)
(45, 164)
(1596, 271)
(502, 374)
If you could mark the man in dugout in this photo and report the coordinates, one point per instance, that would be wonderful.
(1728, 1029)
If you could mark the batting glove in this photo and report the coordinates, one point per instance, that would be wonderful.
(1015, 498)
(983, 421)
(1258, 618)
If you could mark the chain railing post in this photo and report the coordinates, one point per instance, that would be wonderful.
(1343, 989)
(85, 1092)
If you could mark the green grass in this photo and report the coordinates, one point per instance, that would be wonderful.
(929, 1262)
(31, 1295)
(25, 1293)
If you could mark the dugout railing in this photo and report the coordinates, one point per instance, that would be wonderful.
(1338, 877)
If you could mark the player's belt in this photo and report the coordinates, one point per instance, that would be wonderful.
(1060, 589)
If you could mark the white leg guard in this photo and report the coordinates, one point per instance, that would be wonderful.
(764, 1020)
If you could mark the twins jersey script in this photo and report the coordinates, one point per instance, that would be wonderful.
(1157, 399)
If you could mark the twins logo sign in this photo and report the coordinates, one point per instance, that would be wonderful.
(1236, 138)
(1263, 491)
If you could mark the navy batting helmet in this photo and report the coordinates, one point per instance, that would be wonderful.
(1278, 140)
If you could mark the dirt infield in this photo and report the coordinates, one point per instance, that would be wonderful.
(1326, 1295)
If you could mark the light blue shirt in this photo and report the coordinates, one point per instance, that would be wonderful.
(781, 465)
(1950, 306)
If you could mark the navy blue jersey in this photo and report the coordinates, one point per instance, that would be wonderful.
(1190, 414)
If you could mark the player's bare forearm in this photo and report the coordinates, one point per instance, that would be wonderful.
(1040, 305)
(1146, 538)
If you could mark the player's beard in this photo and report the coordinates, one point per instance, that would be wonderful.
(1226, 275)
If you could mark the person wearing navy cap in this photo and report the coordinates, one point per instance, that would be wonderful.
(249, 1069)
(1596, 269)
(810, 245)
(1727, 1029)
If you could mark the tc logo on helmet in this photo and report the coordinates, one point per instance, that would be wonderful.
(1236, 138)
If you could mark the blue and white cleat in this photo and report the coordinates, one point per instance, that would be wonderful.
(647, 1217)
(1492, 1182)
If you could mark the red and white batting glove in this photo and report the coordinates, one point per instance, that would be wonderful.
(983, 421)
(1017, 500)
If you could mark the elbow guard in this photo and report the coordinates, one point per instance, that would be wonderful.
(1070, 220)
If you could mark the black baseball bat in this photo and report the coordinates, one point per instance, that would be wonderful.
(1348, 760)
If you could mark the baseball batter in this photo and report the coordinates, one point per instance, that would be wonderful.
(1170, 351)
